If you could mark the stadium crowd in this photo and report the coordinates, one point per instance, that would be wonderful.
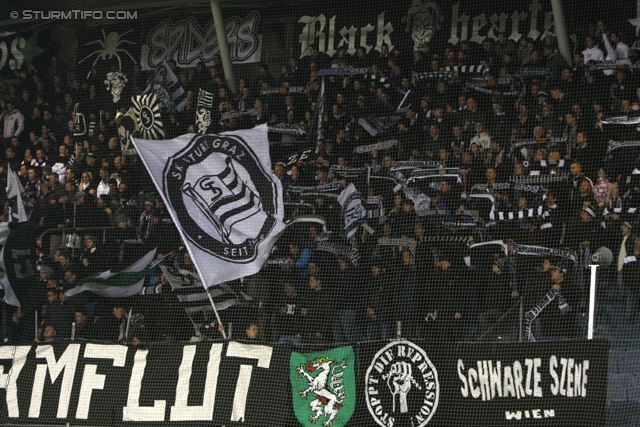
(523, 158)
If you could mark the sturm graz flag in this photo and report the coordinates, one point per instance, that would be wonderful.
(167, 88)
(203, 112)
(147, 112)
(223, 197)
(127, 125)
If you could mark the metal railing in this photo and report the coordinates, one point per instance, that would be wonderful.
(73, 238)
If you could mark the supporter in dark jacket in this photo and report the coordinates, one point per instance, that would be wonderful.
(496, 296)
(317, 312)
(93, 260)
(84, 328)
(289, 318)
(585, 232)
(445, 301)
(112, 327)
(379, 290)
(348, 305)
(556, 319)
(589, 156)
(60, 314)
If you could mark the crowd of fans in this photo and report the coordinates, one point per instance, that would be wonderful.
(565, 191)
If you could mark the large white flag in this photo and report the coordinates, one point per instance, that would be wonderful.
(222, 196)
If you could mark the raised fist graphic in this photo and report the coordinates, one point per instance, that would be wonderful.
(399, 381)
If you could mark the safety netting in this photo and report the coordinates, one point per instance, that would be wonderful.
(320, 213)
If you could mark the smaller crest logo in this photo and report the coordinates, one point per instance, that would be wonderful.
(147, 112)
(402, 386)
(323, 387)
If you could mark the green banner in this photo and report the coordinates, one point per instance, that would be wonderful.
(323, 386)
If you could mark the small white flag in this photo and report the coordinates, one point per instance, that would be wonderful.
(353, 210)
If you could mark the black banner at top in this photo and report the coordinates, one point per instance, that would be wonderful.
(411, 24)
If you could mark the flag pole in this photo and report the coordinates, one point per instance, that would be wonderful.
(5, 338)
(223, 44)
(202, 278)
(592, 301)
(215, 311)
(126, 332)
(190, 318)
(188, 315)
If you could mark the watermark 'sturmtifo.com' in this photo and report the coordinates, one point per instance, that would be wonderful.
(73, 14)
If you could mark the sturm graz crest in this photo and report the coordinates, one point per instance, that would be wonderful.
(147, 111)
(402, 387)
(223, 196)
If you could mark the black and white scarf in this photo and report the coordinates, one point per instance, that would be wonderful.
(526, 142)
(540, 179)
(446, 239)
(317, 194)
(622, 144)
(552, 295)
(446, 76)
(349, 71)
(382, 145)
(496, 186)
(380, 124)
(353, 211)
(375, 209)
(344, 172)
(612, 65)
(397, 242)
(532, 72)
(453, 224)
(543, 251)
(467, 69)
(335, 186)
(281, 91)
(421, 164)
(473, 215)
(280, 262)
(340, 250)
(283, 128)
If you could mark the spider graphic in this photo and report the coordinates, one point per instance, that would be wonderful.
(110, 47)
